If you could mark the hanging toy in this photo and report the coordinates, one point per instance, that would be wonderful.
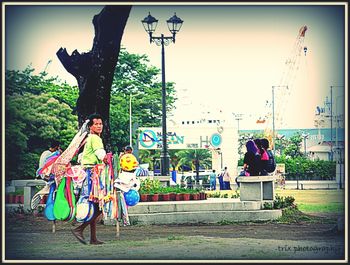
(128, 162)
(127, 181)
(132, 197)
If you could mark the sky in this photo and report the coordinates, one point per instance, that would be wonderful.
(225, 61)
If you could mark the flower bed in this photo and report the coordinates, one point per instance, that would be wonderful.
(149, 188)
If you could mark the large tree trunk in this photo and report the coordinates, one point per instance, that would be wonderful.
(94, 70)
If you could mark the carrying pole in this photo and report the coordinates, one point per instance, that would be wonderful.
(117, 219)
(54, 226)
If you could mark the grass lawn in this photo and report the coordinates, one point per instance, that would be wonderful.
(309, 201)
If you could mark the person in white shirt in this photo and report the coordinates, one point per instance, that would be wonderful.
(55, 146)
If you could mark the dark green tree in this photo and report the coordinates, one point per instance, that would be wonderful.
(293, 146)
(136, 79)
(31, 122)
(189, 157)
(24, 86)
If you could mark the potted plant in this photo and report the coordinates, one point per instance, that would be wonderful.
(202, 195)
(178, 194)
(20, 198)
(194, 194)
(149, 187)
(153, 196)
(154, 189)
(165, 194)
(12, 198)
(143, 195)
(172, 193)
(186, 194)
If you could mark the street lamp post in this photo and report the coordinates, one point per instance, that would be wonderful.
(174, 25)
(280, 137)
(220, 153)
(237, 117)
(130, 121)
(273, 118)
(305, 136)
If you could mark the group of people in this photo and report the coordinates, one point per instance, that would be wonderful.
(256, 159)
(223, 177)
(257, 162)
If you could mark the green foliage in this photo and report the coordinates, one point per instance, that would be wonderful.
(235, 195)
(172, 237)
(188, 157)
(205, 180)
(19, 82)
(18, 191)
(31, 122)
(280, 202)
(149, 186)
(133, 76)
(293, 215)
(153, 186)
(331, 207)
(305, 169)
(283, 202)
(39, 108)
(218, 194)
(268, 206)
(293, 147)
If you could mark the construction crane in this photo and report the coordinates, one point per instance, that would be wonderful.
(285, 86)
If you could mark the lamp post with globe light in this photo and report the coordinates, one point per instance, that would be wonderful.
(174, 24)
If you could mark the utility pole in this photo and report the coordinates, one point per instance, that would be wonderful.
(331, 109)
(331, 123)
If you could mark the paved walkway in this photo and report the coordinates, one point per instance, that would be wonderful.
(30, 239)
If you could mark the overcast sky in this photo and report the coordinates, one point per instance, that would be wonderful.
(226, 57)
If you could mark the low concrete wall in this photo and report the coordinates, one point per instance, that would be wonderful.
(311, 184)
(212, 210)
(304, 185)
(205, 217)
(211, 204)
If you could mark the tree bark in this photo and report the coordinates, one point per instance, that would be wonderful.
(94, 70)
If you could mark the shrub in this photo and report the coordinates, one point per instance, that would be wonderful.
(280, 203)
(268, 206)
(149, 185)
(305, 169)
(235, 195)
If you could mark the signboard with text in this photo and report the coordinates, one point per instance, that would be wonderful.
(180, 138)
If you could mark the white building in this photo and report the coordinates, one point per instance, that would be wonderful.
(202, 131)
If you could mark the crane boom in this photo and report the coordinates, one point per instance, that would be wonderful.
(286, 83)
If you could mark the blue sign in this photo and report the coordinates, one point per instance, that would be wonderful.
(216, 140)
